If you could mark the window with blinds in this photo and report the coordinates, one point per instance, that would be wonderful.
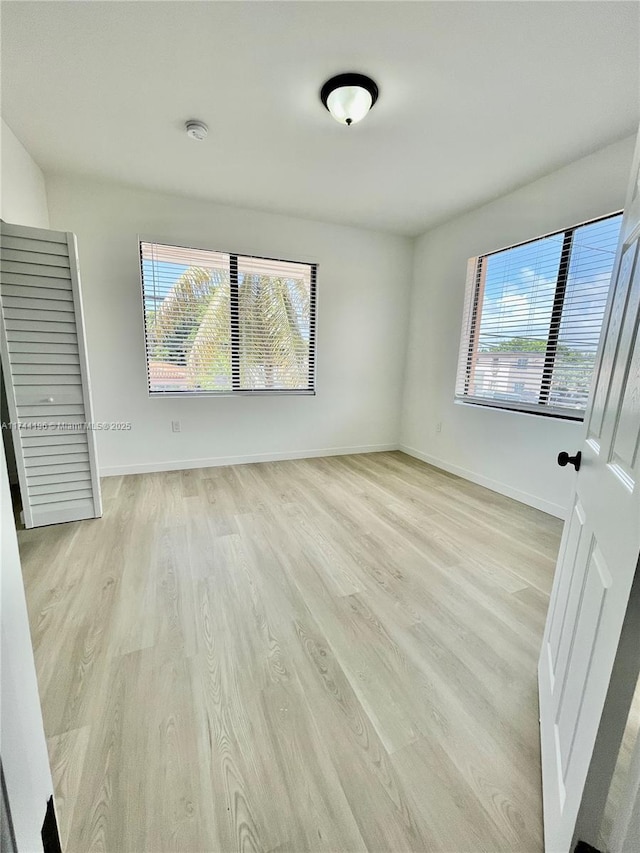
(219, 323)
(532, 320)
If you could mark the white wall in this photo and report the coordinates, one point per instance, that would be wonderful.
(23, 200)
(363, 293)
(23, 747)
(510, 452)
(23, 197)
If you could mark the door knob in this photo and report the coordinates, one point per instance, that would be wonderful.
(565, 459)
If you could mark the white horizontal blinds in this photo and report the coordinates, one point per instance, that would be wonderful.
(42, 359)
(223, 323)
(187, 318)
(274, 309)
(593, 250)
(512, 320)
(533, 319)
(472, 294)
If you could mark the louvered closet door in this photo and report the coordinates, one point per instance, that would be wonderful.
(46, 376)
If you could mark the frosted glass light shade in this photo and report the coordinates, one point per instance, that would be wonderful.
(349, 104)
(349, 97)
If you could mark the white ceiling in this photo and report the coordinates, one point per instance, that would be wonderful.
(475, 98)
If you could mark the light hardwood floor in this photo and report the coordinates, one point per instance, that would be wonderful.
(319, 655)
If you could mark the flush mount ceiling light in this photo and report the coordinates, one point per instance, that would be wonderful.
(196, 129)
(349, 97)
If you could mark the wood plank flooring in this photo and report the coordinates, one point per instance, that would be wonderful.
(333, 654)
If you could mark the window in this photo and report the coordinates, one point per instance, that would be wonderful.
(217, 323)
(533, 315)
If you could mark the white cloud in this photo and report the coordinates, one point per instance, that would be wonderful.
(514, 303)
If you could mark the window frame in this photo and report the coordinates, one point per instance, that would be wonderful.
(471, 329)
(311, 391)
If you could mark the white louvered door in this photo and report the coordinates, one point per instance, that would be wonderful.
(44, 363)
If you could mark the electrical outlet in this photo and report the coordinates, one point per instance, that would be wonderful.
(175, 426)
(439, 426)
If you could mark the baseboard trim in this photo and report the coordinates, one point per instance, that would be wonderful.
(217, 461)
(495, 485)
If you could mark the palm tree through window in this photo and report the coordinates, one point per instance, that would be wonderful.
(219, 323)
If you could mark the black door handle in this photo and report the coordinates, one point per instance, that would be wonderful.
(565, 459)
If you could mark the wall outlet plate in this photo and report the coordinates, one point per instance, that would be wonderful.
(175, 426)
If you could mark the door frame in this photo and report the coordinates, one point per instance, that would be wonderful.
(624, 677)
(625, 835)
(25, 759)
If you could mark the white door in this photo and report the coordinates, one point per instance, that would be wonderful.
(45, 369)
(598, 554)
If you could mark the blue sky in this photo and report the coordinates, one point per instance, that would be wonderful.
(520, 287)
(165, 276)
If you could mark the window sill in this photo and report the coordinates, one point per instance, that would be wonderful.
(556, 414)
(174, 395)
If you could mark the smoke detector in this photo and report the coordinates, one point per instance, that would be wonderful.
(196, 129)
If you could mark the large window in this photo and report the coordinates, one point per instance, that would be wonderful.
(218, 323)
(533, 315)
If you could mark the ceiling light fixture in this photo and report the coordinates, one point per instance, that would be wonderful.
(196, 129)
(349, 97)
